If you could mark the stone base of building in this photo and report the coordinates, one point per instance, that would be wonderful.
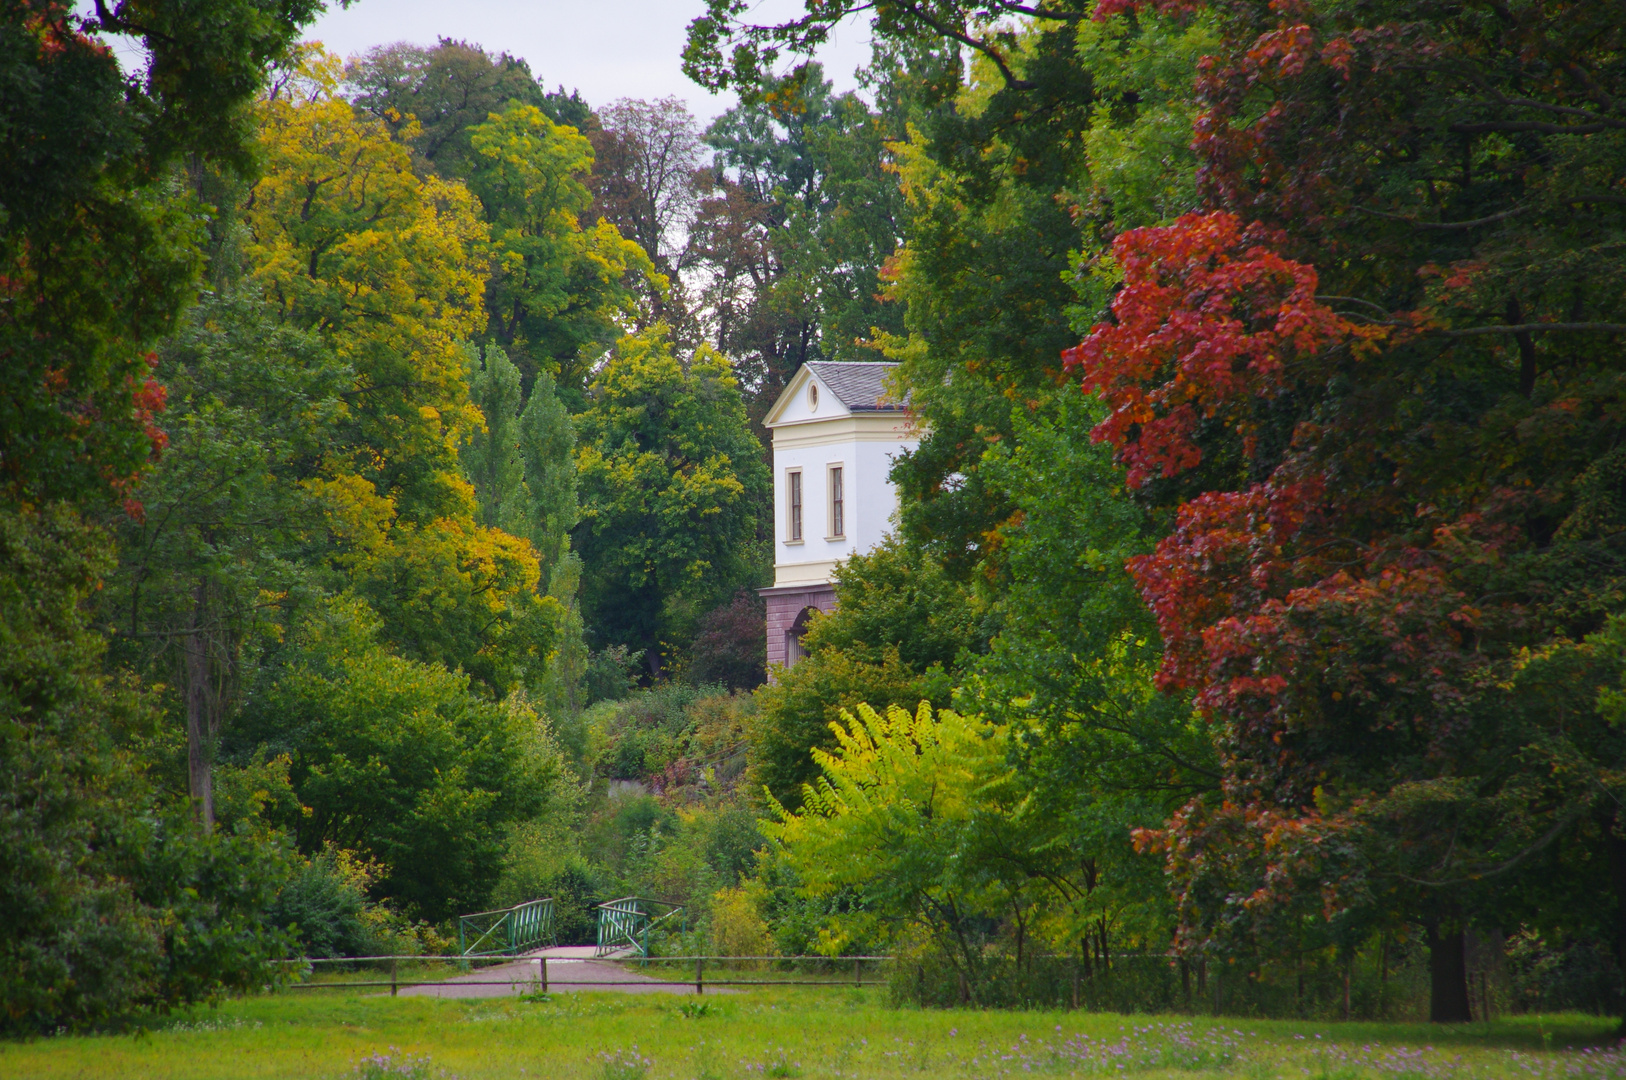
(789, 607)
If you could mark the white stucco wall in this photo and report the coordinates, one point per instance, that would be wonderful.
(865, 445)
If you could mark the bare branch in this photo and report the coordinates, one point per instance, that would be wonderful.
(1506, 865)
(1474, 224)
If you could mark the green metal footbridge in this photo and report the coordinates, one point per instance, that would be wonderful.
(627, 923)
(508, 930)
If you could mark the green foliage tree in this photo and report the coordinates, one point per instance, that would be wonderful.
(672, 486)
(347, 241)
(559, 288)
(385, 267)
(1060, 129)
(435, 96)
(899, 628)
(913, 813)
(252, 407)
(547, 445)
(400, 761)
(493, 460)
(114, 902)
(793, 238)
(96, 258)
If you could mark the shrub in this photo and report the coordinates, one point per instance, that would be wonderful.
(731, 646)
(736, 927)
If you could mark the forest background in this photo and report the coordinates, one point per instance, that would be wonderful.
(386, 493)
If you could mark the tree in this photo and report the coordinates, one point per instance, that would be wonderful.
(547, 442)
(1385, 462)
(114, 904)
(347, 241)
(253, 407)
(493, 460)
(437, 95)
(729, 646)
(1071, 674)
(910, 812)
(96, 260)
(800, 218)
(559, 289)
(672, 485)
(900, 628)
(647, 157)
(385, 267)
(726, 51)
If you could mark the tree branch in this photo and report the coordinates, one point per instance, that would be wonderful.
(1506, 865)
(1534, 328)
(1474, 224)
(1485, 127)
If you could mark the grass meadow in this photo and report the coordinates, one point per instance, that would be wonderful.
(784, 1033)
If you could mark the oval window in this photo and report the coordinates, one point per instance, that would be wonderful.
(813, 397)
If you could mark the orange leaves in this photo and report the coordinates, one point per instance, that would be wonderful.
(1209, 318)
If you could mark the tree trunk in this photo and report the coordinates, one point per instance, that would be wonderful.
(1448, 974)
(199, 729)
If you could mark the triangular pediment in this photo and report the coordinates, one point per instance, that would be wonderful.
(796, 405)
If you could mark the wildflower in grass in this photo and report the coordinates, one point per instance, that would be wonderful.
(779, 1064)
(396, 1066)
(626, 1064)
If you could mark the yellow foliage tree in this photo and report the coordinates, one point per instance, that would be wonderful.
(389, 267)
(921, 816)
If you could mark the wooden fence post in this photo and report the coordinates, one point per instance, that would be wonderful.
(700, 974)
(394, 963)
(543, 961)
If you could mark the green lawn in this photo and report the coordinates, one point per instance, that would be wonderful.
(787, 1033)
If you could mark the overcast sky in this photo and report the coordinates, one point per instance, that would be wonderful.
(629, 48)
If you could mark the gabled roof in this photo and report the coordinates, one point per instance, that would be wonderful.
(856, 387)
(860, 386)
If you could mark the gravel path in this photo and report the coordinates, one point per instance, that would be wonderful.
(570, 969)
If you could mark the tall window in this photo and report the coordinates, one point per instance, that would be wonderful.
(794, 516)
(838, 503)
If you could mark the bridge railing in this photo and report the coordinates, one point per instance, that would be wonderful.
(627, 923)
(507, 930)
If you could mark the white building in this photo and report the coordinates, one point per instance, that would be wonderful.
(836, 431)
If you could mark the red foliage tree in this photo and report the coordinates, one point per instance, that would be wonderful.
(1382, 499)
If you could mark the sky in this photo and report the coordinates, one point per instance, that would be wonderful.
(628, 48)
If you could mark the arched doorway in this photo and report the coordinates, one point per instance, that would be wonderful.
(793, 636)
(790, 611)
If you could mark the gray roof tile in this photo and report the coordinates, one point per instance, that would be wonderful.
(860, 386)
